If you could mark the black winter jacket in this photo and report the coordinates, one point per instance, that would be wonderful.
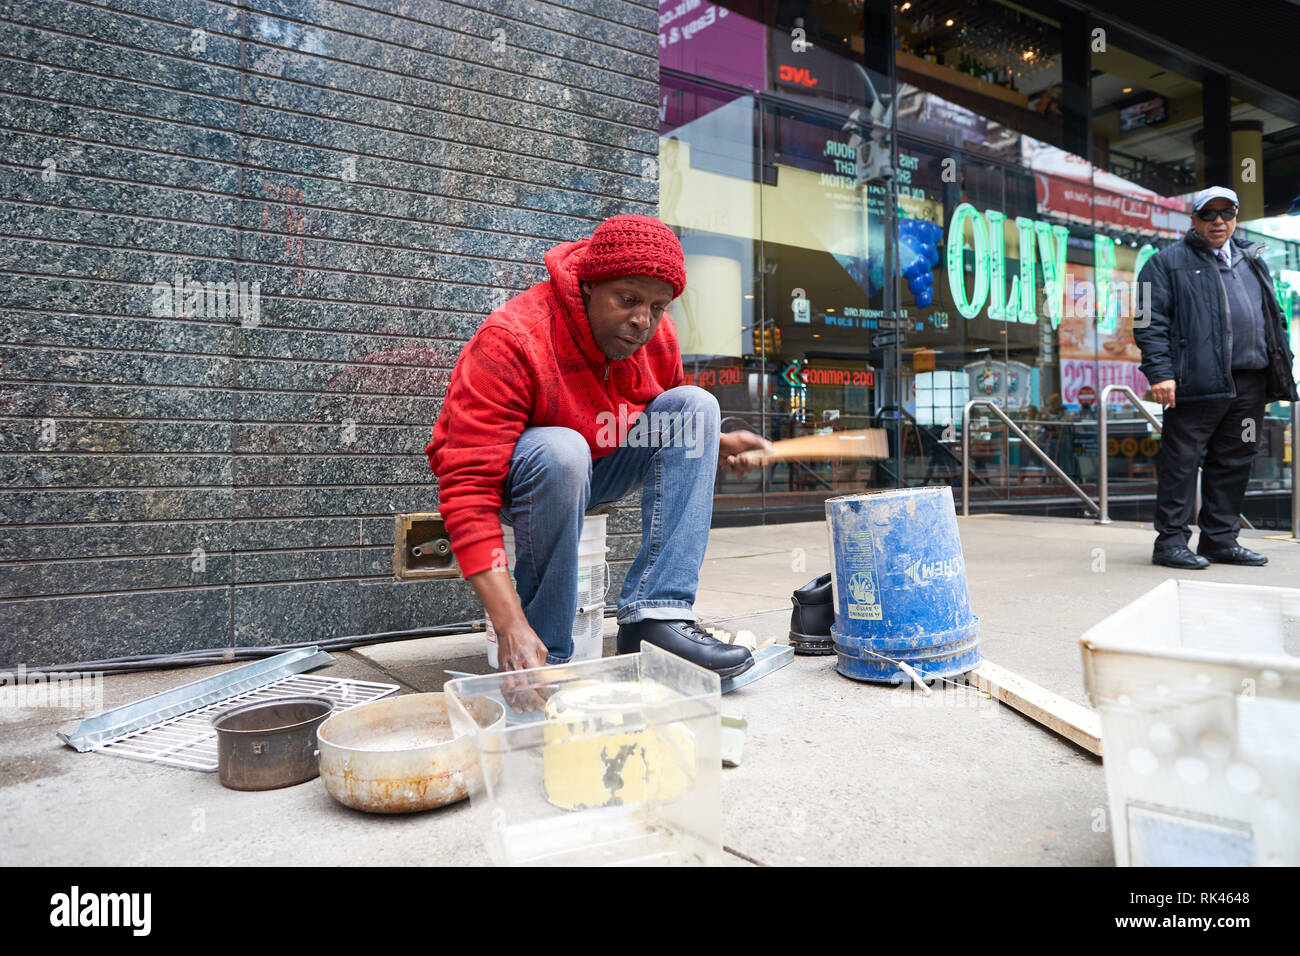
(1184, 330)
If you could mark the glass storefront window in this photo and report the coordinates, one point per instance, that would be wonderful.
(825, 347)
(1015, 262)
(707, 192)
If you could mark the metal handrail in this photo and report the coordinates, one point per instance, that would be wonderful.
(1103, 472)
(879, 418)
(1295, 470)
(1025, 439)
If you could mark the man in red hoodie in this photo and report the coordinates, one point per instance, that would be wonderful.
(568, 397)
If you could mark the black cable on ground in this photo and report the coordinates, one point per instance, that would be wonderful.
(135, 663)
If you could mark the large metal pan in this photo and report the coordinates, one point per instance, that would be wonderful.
(401, 754)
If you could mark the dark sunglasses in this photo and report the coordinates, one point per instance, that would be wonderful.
(1209, 215)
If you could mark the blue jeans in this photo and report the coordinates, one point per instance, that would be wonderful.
(673, 454)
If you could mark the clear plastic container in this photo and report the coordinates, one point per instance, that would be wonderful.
(620, 764)
(1198, 688)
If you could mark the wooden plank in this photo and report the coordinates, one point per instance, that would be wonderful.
(1072, 721)
(857, 443)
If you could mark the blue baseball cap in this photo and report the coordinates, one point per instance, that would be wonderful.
(1214, 192)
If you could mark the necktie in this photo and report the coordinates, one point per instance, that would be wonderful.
(1223, 256)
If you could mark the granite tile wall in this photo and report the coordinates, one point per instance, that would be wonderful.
(243, 244)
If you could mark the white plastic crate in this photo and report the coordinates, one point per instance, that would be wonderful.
(1200, 713)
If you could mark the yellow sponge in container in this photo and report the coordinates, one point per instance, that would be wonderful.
(604, 748)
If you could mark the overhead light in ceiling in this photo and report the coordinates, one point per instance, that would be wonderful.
(907, 6)
(1127, 89)
(947, 23)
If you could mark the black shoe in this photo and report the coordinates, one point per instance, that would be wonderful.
(1233, 554)
(1179, 556)
(812, 617)
(689, 641)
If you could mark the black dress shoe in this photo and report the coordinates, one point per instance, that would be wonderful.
(812, 617)
(1179, 556)
(687, 640)
(1234, 554)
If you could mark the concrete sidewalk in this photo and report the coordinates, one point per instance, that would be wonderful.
(834, 772)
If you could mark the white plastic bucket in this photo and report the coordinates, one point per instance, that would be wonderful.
(593, 585)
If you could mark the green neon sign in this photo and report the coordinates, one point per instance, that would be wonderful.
(1103, 264)
(957, 259)
(989, 244)
(1144, 254)
(1038, 241)
(1052, 243)
(1002, 307)
(1028, 278)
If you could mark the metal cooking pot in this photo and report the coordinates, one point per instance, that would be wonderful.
(401, 754)
(269, 744)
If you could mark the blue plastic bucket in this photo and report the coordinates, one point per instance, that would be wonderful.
(899, 585)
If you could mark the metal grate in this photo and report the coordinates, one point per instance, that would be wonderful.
(189, 741)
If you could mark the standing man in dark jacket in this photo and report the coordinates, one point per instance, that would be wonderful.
(1214, 347)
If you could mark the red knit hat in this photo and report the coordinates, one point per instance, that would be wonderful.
(634, 246)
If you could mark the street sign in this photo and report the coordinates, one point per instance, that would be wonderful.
(1087, 395)
(886, 338)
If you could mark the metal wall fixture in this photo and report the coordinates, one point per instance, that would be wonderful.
(422, 548)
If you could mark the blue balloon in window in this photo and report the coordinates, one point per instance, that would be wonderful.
(918, 254)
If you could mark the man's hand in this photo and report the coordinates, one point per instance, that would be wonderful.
(518, 646)
(732, 447)
(1163, 392)
(520, 649)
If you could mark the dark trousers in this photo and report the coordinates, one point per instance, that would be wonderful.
(1215, 428)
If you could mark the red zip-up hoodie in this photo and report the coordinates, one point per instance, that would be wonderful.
(533, 362)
